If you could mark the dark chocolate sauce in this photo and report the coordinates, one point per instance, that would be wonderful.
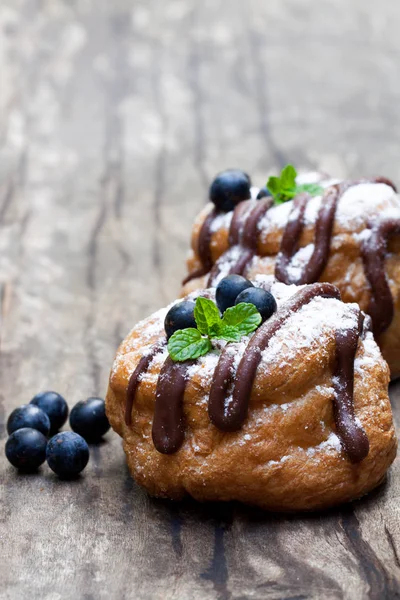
(231, 417)
(289, 245)
(221, 382)
(168, 423)
(374, 251)
(386, 181)
(313, 269)
(243, 238)
(141, 368)
(203, 248)
(237, 222)
(290, 238)
(350, 432)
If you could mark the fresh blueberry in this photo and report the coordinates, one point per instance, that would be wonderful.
(262, 300)
(229, 188)
(67, 454)
(28, 415)
(263, 193)
(228, 290)
(179, 316)
(26, 449)
(89, 419)
(54, 406)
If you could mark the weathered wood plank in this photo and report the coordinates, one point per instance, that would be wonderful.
(113, 118)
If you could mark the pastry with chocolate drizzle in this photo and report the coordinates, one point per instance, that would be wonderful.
(347, 235)
(294, 416)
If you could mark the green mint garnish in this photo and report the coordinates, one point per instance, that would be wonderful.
(236, 322)
(188, 343)
(206, 315)
(284, 188)
(243, 317)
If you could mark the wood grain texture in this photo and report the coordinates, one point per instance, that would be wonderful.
(113, 118)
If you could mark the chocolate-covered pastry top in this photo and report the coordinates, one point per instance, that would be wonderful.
(231, 386)
(246, 228)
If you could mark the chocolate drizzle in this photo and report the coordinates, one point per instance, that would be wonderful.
(313, 269)
(221, 382)
(168, 423)
(141, 368)
(231, 417)
(351, 433)
(203, 248)
(290, 238)
(237, 222)
(243, 237)
(374, 251)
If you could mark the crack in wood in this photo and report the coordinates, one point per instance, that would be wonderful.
(381, 583)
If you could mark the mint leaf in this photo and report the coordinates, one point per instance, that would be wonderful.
(228, 333)
(206, 315)
(243, 318)
(284, 187)
(288, 177)
(312, 188)
(187, 344)
(274, 185)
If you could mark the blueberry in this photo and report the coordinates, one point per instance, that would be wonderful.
(67, 454)
(228, 290)
(179, 316)
(26, 449)
(229, 188)
(31, 416)
(89, 419)
(263, 193)
(262, 300)
(54, 406)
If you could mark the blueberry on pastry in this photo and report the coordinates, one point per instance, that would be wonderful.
(311, 229)
(288, 413)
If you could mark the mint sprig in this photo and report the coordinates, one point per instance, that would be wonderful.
(206, 315)
(237, 321)
(188, 344)
(284, 187)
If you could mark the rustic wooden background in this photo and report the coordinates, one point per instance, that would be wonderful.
(114, 116)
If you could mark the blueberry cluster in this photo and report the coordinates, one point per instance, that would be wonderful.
(66, 452)
(235, 289)
(230, 291)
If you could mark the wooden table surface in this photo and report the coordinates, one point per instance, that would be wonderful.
(114, 116)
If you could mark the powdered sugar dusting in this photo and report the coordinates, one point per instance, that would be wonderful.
(366, 199)
(312, 210)
(227, 261)
(359, 203)
(151, 375)
(331, 444)
(299, 261)
(275, 217)
(311, 327)
(254, 192)
(221, 221)
(369, 357)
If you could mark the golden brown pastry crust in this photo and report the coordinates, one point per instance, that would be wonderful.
(287, 455)
(345, 268)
